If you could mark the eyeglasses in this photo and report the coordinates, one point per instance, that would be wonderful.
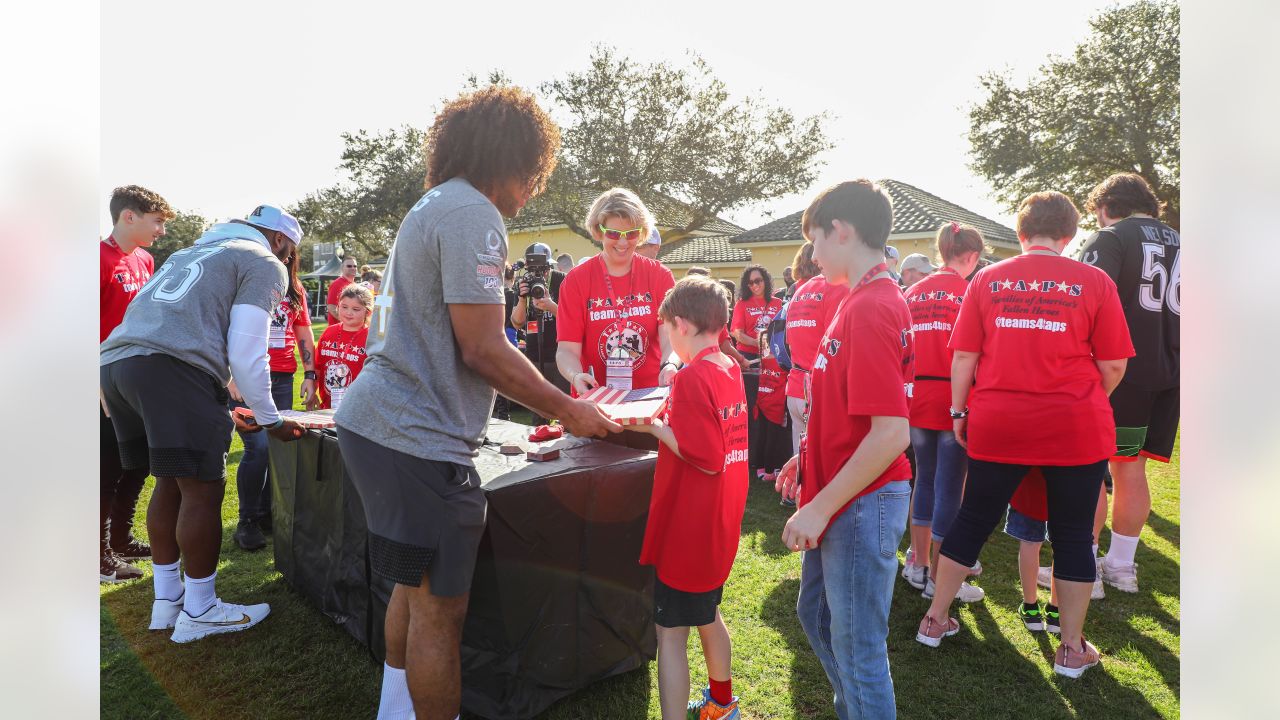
(612, 234)
(756, 281)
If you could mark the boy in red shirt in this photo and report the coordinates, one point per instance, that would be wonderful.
(124, 266)
(699, 494)
(854, 495)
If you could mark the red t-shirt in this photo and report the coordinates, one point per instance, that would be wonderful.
(862, 368)
(1031, 498)
(282, 340)
(753, 316)
(934, 303)
(120, 277)
(592, 315)
(808, 316)
(771, 401)
(1039, 323)
(695, 519)
(335, 292)
(339, 357)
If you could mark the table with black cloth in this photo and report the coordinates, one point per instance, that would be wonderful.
(558, 600)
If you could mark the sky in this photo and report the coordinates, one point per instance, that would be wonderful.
(220, 107)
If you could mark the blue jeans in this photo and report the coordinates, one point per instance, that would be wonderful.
(846, 586)
(251, 477)
(941, 464)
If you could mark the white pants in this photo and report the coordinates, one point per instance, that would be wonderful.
(796, 407)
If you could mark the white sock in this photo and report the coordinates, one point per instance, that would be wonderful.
(1122, 550)
(200, 594)
(168, 581)
(395, 703)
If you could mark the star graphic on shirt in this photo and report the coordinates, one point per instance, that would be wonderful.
(1006, 284)
(1035, 285)
(951, 297)
(1062, 287)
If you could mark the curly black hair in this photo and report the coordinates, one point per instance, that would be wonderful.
(744, 287)
(491, 136)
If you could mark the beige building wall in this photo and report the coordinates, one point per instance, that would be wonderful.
(559, 239)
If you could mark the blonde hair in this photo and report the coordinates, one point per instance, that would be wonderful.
(620, 203)
(360, 293)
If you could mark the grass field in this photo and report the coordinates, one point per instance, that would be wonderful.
(297, 664)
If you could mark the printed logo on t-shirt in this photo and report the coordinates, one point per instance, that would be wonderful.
(936, 295)
(629, 337)
(1036, 286)
(131, 282)
(732, 411)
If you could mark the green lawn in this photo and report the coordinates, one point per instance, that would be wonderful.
(297, 664)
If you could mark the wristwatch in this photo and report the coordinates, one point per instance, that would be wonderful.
(665, 364)
(308, 374)
(959, 414)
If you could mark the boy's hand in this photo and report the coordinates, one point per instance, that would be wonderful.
(786, 480)
(804, 529)
(665, 375)
(654, 428)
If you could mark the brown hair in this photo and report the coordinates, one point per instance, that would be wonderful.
(861, 203)
(491, 136)
(139, 200)
(1122, 195)
(1050, 214)
(955, 239)
(802, 266)
(699, 300)
(696, 270)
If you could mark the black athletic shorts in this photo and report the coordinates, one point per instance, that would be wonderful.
(169, 412)
(425, 517)
(1146, 422)
(676, 608)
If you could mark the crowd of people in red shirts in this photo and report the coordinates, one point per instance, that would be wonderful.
(978, 391)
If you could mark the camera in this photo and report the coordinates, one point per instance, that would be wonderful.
(537, 265)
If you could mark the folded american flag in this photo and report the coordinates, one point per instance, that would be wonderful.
(630, 407)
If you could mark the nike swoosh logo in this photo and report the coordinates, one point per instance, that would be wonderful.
(244, 620)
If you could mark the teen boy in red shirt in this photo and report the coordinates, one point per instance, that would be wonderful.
(699, 494)
(854, 495)
(124, 266)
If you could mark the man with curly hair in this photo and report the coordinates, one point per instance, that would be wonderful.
(138, 216)
(1142, 255)
(411, 425)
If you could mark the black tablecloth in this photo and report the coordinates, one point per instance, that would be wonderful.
(558, 600)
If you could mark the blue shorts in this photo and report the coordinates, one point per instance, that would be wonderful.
(1026, 529)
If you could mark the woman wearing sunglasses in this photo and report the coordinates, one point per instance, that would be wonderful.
(753, 312)
(609, 332)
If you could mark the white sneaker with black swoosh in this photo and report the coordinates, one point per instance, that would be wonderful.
(164, 613)
(223, 617)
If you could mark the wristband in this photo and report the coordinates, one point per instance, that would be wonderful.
(308, 374)
(665, 364)
(959, 414)
(274, 425)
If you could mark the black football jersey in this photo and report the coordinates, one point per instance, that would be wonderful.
(1142, 256)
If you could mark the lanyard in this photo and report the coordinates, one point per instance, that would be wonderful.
(866, 279)
(623, 311)
(704, 352)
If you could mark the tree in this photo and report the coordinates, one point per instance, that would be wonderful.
(663, 131)
(180, 232)
(1112, 107)
(673, 131)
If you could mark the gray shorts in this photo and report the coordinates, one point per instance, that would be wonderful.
(169, 415)
(425, 517)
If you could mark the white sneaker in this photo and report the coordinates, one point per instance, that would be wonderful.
(968, 593)
(1044, 578)
(976, 570)
(915, 575)
(221, 618)
(1123, 578)
(164, 613)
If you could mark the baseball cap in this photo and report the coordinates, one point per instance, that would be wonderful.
(891, 252)
(273, 218)
(916, 261)
(654, 238)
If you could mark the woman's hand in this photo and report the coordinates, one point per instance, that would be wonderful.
(961, 427)
(308, 394)
(584, 383)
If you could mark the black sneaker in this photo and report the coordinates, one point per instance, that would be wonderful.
(249, 537)
(114, 570)
(1031, 616)
(135, 549)
(787, 503)
(1052, 620)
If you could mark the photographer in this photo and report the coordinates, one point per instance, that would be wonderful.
(538, 288)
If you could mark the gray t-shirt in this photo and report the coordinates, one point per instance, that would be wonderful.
(185, 308)
(415, 394)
